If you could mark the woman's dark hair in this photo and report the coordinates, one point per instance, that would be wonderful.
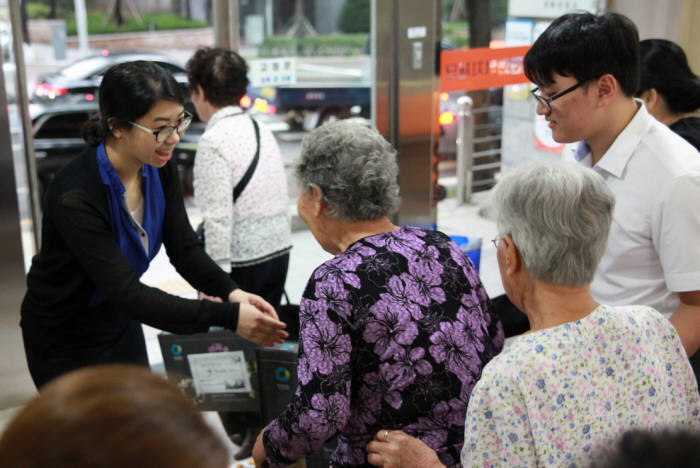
(221, 73)
(664, 67)
(586, 46)
(111, 416)
(128, 91)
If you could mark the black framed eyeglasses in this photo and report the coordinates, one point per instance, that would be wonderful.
(165, 132)
(546, 101)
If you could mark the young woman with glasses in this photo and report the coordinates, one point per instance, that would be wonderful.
(106, 215)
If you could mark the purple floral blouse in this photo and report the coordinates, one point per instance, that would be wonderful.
(394, 333)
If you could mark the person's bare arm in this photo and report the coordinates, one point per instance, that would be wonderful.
(686, 320)
(259, 450)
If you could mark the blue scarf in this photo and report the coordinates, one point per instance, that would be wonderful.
(125, 233)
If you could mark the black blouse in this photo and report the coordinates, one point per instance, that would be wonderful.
(79, 257)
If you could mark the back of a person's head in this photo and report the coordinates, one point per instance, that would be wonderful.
(664, 67)
(128, 91)
(354, 166)
(111, 417)
(664, 449)
(558, 215)
(221, 73)
(586, 46)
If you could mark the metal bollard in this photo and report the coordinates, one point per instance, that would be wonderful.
(465, 150)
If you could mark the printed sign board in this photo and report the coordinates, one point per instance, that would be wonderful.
(549, 8)
(481, 68)
(272, 72)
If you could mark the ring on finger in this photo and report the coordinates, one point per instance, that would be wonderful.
(386, 436)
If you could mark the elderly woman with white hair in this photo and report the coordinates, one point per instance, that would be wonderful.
(394, 330)
(560, 394)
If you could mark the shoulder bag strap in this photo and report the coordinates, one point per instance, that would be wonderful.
(251, 169)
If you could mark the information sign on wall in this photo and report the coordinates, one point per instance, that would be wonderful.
(272, 72)
(519, 32)
(549, 8)
(481, 68)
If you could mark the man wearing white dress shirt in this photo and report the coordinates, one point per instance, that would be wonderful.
(586, 67)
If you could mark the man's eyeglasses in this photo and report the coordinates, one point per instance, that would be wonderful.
(546, 101)
(165, 132)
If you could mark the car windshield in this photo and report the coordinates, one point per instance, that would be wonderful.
(85, 67)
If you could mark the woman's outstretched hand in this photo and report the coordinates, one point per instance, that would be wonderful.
(259, 327)
(239, 295)
(257, 319)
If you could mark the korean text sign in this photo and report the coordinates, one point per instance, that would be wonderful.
(481, 68)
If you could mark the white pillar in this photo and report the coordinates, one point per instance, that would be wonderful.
(269, 26)
(81, 22)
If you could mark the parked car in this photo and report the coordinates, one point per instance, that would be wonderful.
(56, 133)
(80, 80)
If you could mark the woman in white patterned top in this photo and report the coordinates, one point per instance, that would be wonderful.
(584, 373)
(251, 238)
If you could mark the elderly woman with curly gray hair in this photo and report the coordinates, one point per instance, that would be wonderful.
(394, 330)
(586, 372)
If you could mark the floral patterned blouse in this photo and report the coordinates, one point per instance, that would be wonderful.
(394, 332)
(562, 396)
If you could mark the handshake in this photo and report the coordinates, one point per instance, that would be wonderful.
(257, 320)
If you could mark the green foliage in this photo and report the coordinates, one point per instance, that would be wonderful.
(355, 16)
(279, 46)
(162, 21)
(321, 45)
(459, 27)
(38, 10)
(333, 45)
(456, 33)
(42, 10)
(447, 8)
(499, 12)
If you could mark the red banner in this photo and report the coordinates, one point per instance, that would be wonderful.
(481, 68)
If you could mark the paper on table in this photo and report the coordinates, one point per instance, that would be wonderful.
(223, 372)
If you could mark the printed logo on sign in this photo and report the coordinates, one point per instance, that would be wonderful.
(176, 349)
(282, 374)
(217, 348)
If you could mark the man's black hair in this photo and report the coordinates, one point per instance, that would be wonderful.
(586, 46)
